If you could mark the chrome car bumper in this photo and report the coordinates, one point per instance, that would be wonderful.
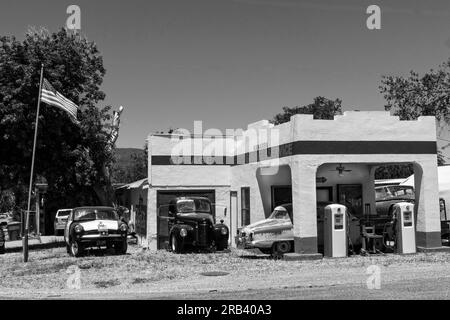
(92, 237)
(243, 243)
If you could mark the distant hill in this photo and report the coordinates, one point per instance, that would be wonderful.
(123, 155)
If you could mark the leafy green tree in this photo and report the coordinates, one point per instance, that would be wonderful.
(72, 158)
(420, 95)
(133, 168)
(395, 171)
(321, 108)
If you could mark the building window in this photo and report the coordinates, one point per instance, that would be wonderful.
(245, 206)
(443, 210)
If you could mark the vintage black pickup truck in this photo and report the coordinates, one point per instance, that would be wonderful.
(192, 224)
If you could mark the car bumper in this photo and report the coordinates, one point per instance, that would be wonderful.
(243, 243)
(94, 237)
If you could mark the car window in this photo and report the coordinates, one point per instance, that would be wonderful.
(443, 209)
(63, 213)
(280, 214)
(191, 205)
(95, 214)
(185, 206)
(398, 191)
(380, 193)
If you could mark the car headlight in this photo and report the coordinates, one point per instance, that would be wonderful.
(183, 232)
(123, 227)
(224, 231)
(78, 228)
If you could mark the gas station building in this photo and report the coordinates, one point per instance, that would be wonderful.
(303, 162)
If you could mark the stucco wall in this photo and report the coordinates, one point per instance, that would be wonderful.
(371, 129)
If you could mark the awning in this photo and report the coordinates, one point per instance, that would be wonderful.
(143, 183)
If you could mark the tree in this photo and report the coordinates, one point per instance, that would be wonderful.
(71, 158)
(394, 171)
(413, 96)
(132, 168)
(321, 108)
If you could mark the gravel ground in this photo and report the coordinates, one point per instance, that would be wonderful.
(228, 275)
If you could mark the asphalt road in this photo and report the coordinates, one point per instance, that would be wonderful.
(419, 276)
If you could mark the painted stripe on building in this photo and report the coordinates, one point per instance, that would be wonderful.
(305, 148)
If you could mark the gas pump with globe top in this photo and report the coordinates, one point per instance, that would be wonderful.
(405, 227)
(335, 231)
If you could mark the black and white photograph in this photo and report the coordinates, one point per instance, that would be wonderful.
(224, 155)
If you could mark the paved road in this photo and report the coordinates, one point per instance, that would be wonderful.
(431, 289)
(420, 276)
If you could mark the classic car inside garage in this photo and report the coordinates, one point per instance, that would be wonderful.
(163, 198)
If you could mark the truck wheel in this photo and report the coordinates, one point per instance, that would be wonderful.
(175, 244)
(121, 247)
(76, 248)
(221, 247)
(2, 249)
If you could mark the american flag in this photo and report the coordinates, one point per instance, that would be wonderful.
(52, 97)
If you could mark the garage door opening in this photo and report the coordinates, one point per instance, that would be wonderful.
(162, 200)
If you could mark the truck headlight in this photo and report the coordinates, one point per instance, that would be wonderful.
(224, 231)
(183, 232)
(123, 227)
(78, 228)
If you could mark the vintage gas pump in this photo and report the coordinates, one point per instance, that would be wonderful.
(405, 228)
(335, 231)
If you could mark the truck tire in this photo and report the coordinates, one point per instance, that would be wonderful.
(175, 244)
(222, 246)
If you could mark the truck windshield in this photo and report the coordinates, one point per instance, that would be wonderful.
(383, 193)
(94, 214)
(398, 191)
(193, 205)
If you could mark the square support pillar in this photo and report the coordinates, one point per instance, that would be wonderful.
(304, 207)
(426, 210)
(369, 190)
(152, 220)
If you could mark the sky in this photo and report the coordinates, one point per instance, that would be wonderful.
(232, 62)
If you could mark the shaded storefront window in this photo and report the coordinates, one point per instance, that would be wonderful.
(245, 206)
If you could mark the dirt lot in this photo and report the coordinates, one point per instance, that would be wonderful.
(232, 275)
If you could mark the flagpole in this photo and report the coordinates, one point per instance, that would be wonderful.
(27, 219)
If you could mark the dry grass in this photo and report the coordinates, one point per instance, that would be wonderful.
(48, 269)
